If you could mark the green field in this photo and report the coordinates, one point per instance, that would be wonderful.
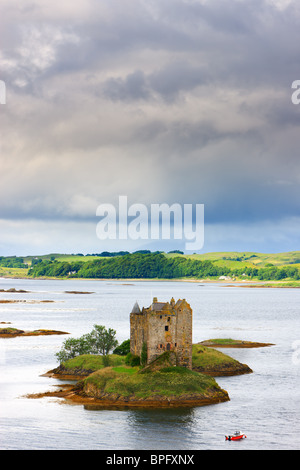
(235, 259)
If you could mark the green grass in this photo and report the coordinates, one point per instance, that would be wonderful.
(125, 370)
(282, 284)
(61, 257)
(223, 341)
(13, 272)
(203, 356)
(170, 381)
(93, 362)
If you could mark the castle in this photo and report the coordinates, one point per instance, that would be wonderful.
(164, 326)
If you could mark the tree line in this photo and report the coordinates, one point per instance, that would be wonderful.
(12, 262)
(154, 265)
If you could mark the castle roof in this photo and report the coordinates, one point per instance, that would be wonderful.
(157, 305)
(167, 306)
(136, 308)
(181, 302)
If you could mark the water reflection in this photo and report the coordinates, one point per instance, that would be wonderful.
(161, 428)
(173, 417)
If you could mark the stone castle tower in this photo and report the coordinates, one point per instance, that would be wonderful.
(164, 326)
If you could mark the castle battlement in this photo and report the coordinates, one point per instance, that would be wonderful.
(163, 326)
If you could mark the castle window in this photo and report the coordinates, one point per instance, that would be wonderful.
(160, 316)
(175, 345)
(169, 318)
(168, 346)
(167, 328)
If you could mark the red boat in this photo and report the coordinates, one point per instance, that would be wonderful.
(236, 436)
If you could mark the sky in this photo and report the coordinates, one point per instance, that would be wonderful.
(161, 101)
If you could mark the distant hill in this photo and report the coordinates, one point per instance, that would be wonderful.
(247, 258)
(157, 265)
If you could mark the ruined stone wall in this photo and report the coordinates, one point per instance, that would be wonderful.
(162, 333)
(138, 332)
(184, 336)
(163, 327)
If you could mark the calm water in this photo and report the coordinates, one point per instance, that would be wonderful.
(265, 404)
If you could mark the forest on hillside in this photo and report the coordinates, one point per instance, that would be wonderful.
(154, 265)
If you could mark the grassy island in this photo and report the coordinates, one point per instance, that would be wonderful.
(212, 362)
(109, 381)
(233, 343)
(168, 386)
(158, 384)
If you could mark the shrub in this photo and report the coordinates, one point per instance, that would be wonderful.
(123, 349)
(144, 354)
(132, 360)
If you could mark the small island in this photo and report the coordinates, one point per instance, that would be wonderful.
(15, 301)
(157, 367)
(112, 382)
(159, 384)
(13, 332)
(212, 362)
(12, 290)
(232, 343)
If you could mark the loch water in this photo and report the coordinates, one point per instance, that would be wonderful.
(265, 405)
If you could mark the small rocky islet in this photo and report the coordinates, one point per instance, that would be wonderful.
(233, 343)
(9, 332)
(159, 384)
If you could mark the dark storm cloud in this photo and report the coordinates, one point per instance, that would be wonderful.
(166, 82)
(165, 101)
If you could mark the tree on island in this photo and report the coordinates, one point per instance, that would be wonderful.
(98, 341)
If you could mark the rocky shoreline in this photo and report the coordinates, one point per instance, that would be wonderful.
(224, 370)
(90, 395)
(75, 395)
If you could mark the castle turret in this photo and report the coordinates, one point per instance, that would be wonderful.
(136, 308)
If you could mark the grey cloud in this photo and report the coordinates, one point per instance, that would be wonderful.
(132, 87)
(166, 82)
(163, 101)
(239, 43)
